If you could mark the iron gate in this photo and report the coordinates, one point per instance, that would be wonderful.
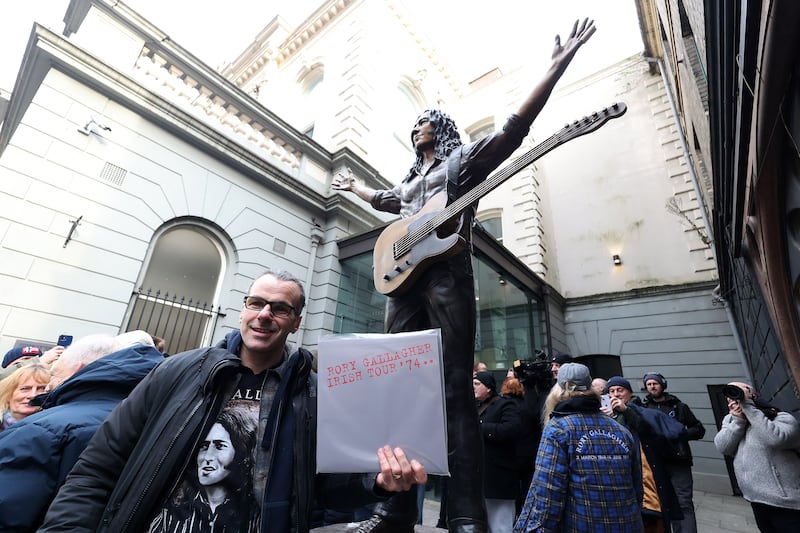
(184, 323)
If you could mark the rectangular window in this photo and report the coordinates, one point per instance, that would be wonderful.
(510, 319)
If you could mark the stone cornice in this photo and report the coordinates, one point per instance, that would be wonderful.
(262, 52)
(168, 69)
(258, 56)
(457, 86)
(644, 292)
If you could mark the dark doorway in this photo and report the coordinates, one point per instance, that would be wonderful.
(719, 406)
(601, 365)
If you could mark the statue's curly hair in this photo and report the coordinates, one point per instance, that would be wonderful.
(445, 134)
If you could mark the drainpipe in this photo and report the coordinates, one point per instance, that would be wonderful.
(316, 238)
(686, 153)
(717, 297)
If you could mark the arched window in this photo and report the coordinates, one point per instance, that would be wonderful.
(491, 220)
(406, 105)
(180, 286)
(401, 109)
(480, 129)
(310, 82)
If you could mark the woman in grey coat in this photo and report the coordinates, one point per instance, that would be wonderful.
(764, 443)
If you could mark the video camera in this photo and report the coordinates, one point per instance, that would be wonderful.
(733, 392)
(737, 394)
(533, 371)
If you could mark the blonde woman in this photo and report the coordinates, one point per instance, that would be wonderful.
(18, 389)
(588, 476)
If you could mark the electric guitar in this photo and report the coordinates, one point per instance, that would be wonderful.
(405, 248)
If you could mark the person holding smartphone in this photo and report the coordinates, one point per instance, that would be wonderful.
(764, 443)
(655, 432)
(22, 355)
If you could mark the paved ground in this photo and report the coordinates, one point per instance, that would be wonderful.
(716, 513)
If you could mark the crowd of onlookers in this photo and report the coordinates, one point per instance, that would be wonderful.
(606, 460)
(562, 452)
(52, 403)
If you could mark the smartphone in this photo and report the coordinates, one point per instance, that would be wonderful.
(605, 401)
(64, 340)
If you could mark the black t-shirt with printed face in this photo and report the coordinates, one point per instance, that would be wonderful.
(215, 493)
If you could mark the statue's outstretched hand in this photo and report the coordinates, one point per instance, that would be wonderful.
(344, 181)
(582, 30)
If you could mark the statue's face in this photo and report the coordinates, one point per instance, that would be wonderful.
(422, 134)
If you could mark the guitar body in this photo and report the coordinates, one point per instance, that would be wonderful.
(394, 276)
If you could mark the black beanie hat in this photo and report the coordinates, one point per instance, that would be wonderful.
(487, 379)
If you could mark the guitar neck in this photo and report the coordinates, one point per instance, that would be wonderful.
(404, 245)
(570, 131)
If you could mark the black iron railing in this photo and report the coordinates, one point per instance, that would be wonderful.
(183, 322)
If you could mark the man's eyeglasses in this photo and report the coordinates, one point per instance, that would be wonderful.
(279, 309)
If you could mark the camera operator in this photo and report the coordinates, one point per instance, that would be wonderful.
(537, 380)
(764, 444)
(560, 358)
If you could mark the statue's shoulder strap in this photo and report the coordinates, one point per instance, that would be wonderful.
(453, 170)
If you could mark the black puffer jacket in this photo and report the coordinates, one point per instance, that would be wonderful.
(501, 426)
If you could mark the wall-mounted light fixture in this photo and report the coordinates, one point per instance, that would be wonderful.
(617, 259)
(501, 280)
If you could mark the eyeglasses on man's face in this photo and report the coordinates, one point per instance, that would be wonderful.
(279, 309)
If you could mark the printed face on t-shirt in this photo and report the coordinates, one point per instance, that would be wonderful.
(221, 479)
(215, 456)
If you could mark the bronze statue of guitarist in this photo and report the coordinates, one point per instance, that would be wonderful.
(443, 295)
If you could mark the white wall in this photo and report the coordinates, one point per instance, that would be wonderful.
(50, 175)
(605, 193)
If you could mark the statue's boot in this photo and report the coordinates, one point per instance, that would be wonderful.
(398, 514)
(466, 525)
(466, 507)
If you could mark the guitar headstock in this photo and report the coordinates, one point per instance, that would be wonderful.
(592, 122)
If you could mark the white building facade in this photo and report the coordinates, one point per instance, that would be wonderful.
(132, 173)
